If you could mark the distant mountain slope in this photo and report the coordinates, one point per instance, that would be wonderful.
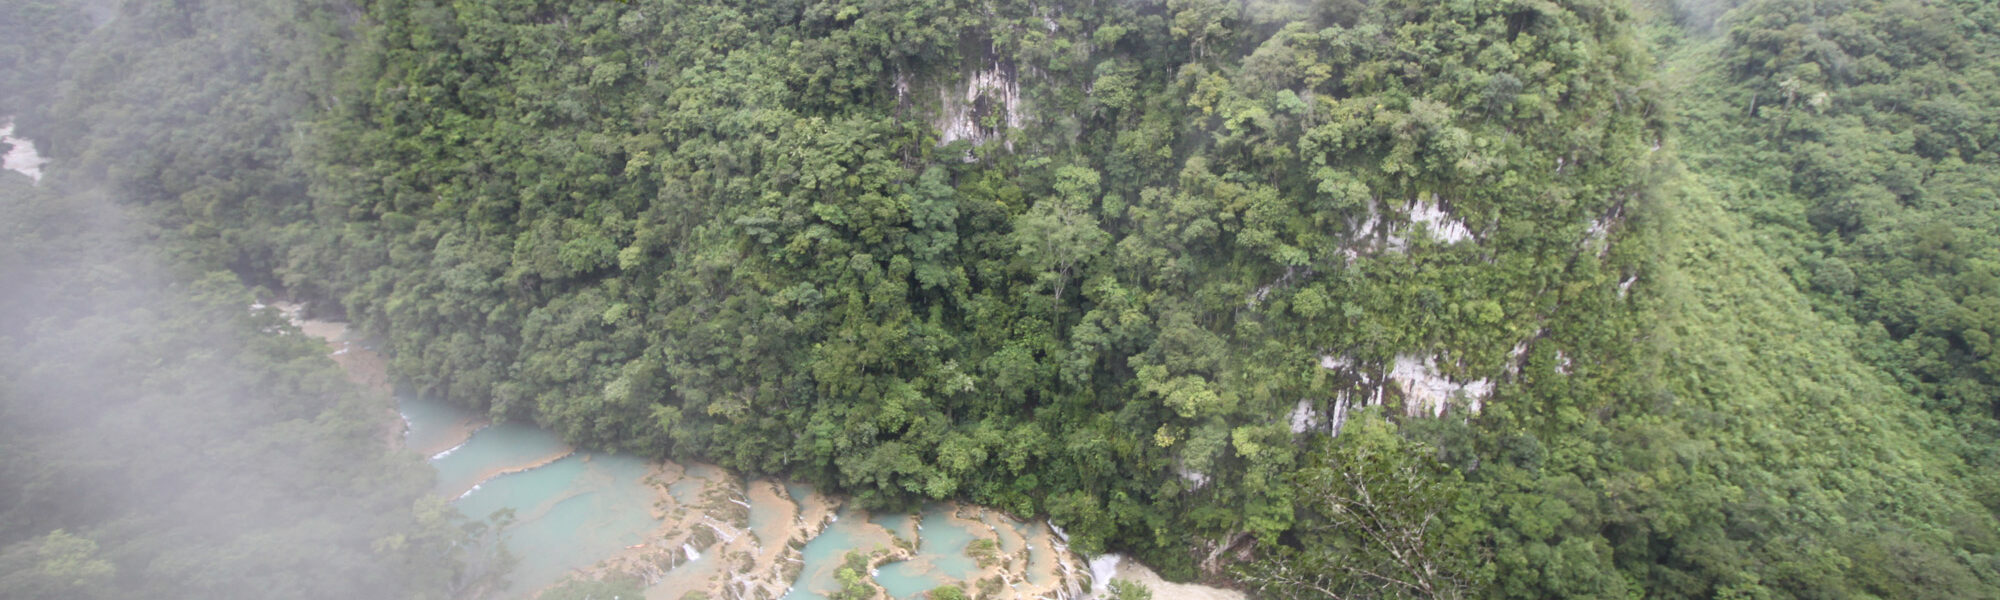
(1764, 450)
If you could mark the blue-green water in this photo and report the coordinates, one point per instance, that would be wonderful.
(822, 556)
(432, 424)
(798, 491)
(492, 449)
(568, 514)
(574, 511)
(686, 491)
(771, 523)
(901, 525)
(941, 560)
(1040, 559)
(1009, 543)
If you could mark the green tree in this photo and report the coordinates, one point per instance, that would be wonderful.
(1126, 590)
(1059, 234)
(949, 592)
(1381, 523)
(853, 578)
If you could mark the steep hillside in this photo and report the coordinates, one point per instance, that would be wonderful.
(1674, 299)
(1861, 143)
(1759, 442)
(1099, 260)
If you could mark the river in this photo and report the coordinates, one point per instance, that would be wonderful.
(694, 527)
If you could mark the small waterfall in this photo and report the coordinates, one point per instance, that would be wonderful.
(719, 532)
(447, 451)
(22, 157)
(1102, 569)
(692, 555)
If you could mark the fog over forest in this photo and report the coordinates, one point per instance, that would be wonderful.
(849, 299)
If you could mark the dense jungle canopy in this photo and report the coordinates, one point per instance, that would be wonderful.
(1604, 298)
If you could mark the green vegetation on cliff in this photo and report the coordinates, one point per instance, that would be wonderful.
(1671, 300)
(758, 248)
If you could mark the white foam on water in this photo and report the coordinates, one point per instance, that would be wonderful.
(1103, 567)
(476, 486)
(446, 452)
(689, 549)
(22, 157)
(719, 532)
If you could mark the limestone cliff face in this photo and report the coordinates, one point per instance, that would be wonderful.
(1415, 382)
(1425, 384)
(982, 106)
(981, 100)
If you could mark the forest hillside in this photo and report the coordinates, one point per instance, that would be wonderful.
(1328, 299)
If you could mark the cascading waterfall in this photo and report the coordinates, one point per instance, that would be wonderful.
(564, 523)
(446, 452)
(1103, 567)
(22, 157)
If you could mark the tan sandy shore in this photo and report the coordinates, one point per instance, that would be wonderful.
(366, 368)
(370, 369)
(1133, 571)
(705, 542)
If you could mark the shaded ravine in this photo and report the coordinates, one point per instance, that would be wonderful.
(693, 527)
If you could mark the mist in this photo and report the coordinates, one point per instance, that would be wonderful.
(160, 439)
(1062, 285)
(159, 436)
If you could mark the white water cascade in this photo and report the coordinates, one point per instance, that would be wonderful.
(22, 156)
